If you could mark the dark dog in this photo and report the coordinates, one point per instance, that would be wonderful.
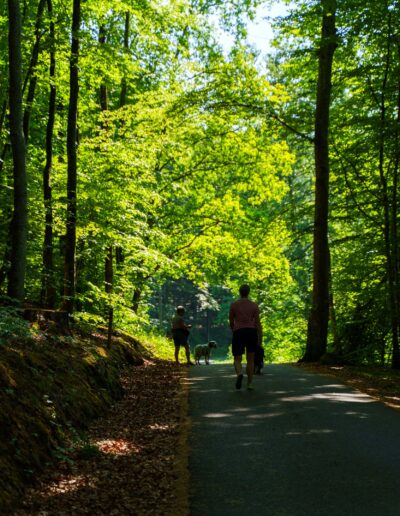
(204, 350)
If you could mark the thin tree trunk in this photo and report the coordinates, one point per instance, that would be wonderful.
(109, 270)
(31, 75)
(395, 253)
(161, 308)
(3, 115)
(332, 314)
(70, 240)
(3, 156)
(48, 288)
(16, 276)
(137, 295)
(6, 144)
(5, 267)
(122, 99)
(318, 320)
(109, 276)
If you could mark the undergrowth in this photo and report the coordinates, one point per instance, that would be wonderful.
(51, 387)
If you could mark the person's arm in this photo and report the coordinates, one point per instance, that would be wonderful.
(231, 318)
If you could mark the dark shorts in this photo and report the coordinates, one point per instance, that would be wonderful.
(180, 337)
(244, 339)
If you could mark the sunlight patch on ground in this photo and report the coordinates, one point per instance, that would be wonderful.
(347, 397)
(313, 431)
(69, 484)
(266, 415)
(117, 447)
(217, 414)
(241, 409)
(331, 386)
(159, 427)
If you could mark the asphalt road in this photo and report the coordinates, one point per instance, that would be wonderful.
(298, 445)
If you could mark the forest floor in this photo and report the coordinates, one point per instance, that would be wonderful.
(134, 458)
(383, 384)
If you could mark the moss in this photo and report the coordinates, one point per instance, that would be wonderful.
(50, 388)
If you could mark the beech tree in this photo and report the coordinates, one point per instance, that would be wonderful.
(16, 276)
(318, 321)
(72, 141)
(48, 290)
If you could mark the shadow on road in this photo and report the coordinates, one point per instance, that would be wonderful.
(304, 444)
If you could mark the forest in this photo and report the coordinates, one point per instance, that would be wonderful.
(144, 164)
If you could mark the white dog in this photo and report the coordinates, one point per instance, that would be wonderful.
(204, 350)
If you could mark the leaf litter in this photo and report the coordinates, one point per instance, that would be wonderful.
(134, 457)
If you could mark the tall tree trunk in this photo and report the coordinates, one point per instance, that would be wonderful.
(109, 270)
(395, 259)
(70, 238)
(389, 210)
(48, 288)
(318, 320)
(16, 276)
(394, 229)
(31, 75)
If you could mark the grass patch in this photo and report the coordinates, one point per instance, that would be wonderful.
(160, 346)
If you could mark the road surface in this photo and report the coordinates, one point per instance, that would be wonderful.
(300, 444)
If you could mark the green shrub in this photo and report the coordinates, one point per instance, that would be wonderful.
(12, 326)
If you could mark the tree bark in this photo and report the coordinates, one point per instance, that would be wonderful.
(122, 98)
(16, 276)
(395, 237)
(31, 75)
(109, 270)
(394, 231)
(48, 288)
(109, 277)
(3, 115)
(389, 210)
(318, 320)
(70, 239)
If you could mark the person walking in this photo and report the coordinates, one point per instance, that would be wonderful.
(180, 334)
(244, 320)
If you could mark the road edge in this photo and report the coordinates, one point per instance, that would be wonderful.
(181, 465)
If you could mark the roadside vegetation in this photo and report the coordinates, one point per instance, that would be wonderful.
(54, 385)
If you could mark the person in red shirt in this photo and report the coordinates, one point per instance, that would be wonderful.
(244, 320)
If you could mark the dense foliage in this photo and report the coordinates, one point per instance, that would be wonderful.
(195, 167)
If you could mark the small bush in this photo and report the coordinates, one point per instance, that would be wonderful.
(12, 326)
